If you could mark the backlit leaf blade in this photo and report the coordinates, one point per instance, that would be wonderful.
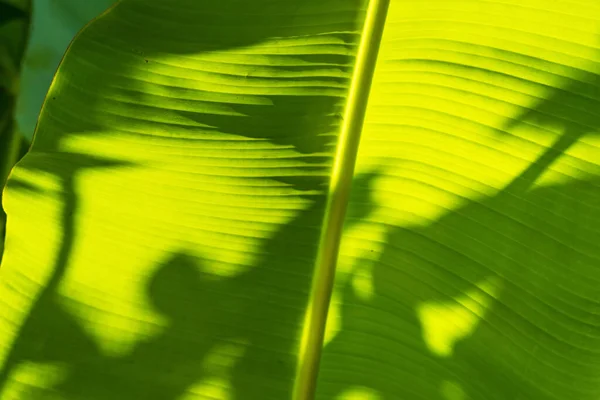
(199, 157)
(184, 167)
(475, 277)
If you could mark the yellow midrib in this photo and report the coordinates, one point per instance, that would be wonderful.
(339, 191)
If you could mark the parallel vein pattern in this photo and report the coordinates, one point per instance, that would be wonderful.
(175, 191)
(476, 276)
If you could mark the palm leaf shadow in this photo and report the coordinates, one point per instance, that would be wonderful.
(259, 104)
(540, 246)
(46, 319)
(305, 123)
(468, 272)
(572, 107)
(535, 336)
(536, 339)
(259, 308)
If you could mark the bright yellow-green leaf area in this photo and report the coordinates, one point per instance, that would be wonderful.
(164, 229)
(483, 247)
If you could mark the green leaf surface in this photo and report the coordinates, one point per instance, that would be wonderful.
(188, 189)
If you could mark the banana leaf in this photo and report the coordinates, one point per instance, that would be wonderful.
(316, 199)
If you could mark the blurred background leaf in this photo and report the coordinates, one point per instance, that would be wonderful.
(14, 29)
(54, 24)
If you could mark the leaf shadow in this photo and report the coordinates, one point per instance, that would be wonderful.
(257, 311)
(495, 300)
(44, 313)
(178, 287)
(267, 94)
(571, 108)
(248, 313)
